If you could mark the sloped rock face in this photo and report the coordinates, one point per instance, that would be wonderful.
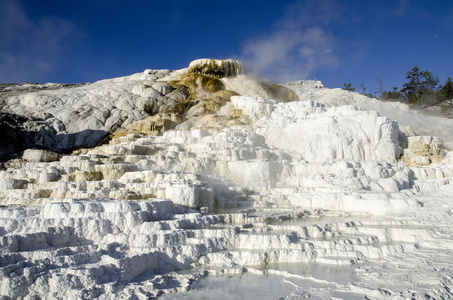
(419, 123)
(308, 197)
(67, 117)
(80, 116)
(323, 133)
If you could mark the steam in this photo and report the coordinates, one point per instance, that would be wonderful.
(29, 49)
(298, 45)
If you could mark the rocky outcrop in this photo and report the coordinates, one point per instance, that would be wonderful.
(34, 155)
(325, 133)
(423, 150)
(216, 68)
(74, 116)
(22, 132)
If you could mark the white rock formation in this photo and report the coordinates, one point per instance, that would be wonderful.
(40, 155)
(420, 123)
(310, 199)
(217, 67)
(323, 133)
(81, 116)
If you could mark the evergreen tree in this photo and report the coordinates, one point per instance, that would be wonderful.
(347, 87)
(412, 89)
(429, 88)
(428, 92)
(430, 81)
(393, 95)
(446, 92)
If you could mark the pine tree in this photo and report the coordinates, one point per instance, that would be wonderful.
(347, 87)
(393, 95)
(431, 81)
(446, 91)
(428, 90)
(412, 89)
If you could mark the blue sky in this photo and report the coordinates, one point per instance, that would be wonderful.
(333, 41)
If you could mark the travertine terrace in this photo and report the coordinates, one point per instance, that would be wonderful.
(225, 186)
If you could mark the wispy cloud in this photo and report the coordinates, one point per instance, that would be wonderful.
(30, 49)
(298, 45)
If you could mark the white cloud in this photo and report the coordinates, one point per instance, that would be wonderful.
(299, 44)
(29, 49)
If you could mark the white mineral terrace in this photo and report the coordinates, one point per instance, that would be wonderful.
(310, 201)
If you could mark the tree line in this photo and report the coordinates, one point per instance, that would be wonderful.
(421, 87)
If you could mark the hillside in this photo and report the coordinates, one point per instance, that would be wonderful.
(207, 182)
